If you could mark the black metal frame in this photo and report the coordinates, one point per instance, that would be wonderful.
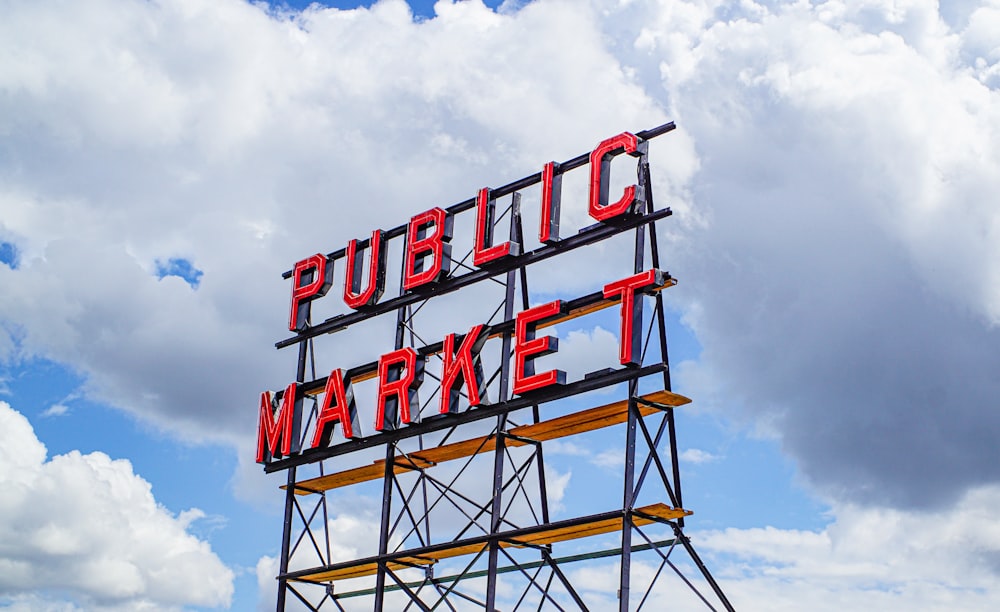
(408, 509)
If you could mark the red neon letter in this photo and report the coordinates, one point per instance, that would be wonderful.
(284, 429)
(421, 244)
(482, 252)
(548, 231)
(600, 171)
(399, 374)
(527, 348)
(317, 282)
(338, 407)
(354, 297)
(630, 341)
(462, 363)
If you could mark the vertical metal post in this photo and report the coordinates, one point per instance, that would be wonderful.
(286, 530)
(386, 521)
(628, 495)
(654, 252)
(390, 460)
(628, 499)
(495, 510)
(499, 452)
(286, 536)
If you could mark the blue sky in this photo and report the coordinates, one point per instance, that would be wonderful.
(424, 9)
(835, 234)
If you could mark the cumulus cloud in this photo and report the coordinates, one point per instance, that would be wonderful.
(88, 525)
(839, 257)
(262, 138)
(866, 559)
(267, 586)
(585, 351)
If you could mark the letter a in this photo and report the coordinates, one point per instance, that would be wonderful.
(338, 407)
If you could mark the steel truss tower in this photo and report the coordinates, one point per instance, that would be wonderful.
(466, 520)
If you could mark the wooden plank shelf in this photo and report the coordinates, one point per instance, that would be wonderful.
(543, 535)
(568, 425)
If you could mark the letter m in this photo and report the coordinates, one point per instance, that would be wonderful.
(283, 430)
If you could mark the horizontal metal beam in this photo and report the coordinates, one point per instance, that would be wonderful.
(601, 554)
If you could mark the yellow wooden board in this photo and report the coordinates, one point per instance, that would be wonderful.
(596, 306)
(570, 424)
(365, 569)
(538, 538)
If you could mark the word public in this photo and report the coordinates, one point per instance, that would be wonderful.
(427, 259)
(427, 252)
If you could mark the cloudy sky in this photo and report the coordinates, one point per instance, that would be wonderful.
(834, 179)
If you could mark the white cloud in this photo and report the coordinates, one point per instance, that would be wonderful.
(840, 273)
(55, 410)
(611, 459)
(696, 456)
(89, 526)
(584, 351)
(865, 559)
(36, 603)
(267, 585)
(871, 558)
(245, 147)
(562, 447)
(556, 484)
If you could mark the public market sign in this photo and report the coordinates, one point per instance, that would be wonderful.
(427, 271)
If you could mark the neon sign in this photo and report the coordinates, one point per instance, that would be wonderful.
(427, 271)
